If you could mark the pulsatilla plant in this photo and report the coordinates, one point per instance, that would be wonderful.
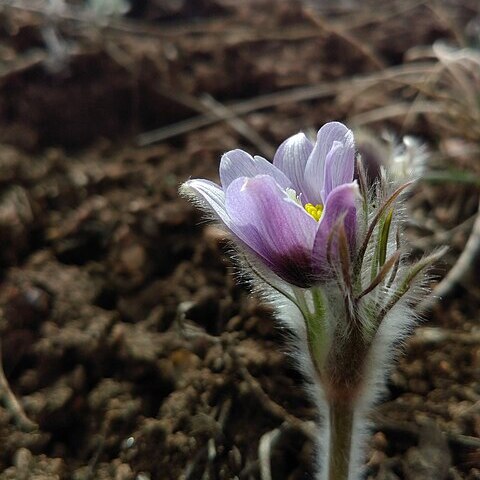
(327, 251)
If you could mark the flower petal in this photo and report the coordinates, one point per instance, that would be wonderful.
(340, 164)
(291, 158)
(237, 163)
(341, 203)
(273, 226)
(209, 195)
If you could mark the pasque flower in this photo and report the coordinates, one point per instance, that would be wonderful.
(328, 252)
(284, 212)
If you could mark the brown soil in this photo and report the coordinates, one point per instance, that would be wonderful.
(125, 335)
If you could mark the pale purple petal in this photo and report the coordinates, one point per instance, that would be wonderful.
(273, 226)
(291, 158)
(315, 169)
(339, 164)
(237, 163)
(341, 203)
(209, 195)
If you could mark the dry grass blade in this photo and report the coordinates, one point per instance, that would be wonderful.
(453, 85)
(264, 454)
(69, 13)
(454, 439)
(301, 94)
(352, 41)
(238, 125)
(395, 110)
(436, 335)
(12, 404)
(459, 272)
(266, 402)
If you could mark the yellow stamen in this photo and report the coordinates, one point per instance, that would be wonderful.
(314, 210)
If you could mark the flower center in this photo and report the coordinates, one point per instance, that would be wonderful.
(314, 210)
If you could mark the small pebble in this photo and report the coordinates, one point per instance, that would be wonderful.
(142, 476)
(128, 442)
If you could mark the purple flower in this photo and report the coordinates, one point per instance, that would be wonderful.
(284, 212)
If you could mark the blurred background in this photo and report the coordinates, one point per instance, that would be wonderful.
(133, 353)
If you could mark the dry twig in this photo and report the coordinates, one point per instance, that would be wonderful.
(412, 430)
(239, 125)
(12, 404)
(436, 335)
(264, 453)
(442, 237)
(267, 403)
(459, 272)
(300, 94)
(352, 41)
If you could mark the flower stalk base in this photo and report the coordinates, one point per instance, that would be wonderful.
(340, 441)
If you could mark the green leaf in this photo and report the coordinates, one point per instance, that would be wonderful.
(384, 233)
(316, 324)
(380, 253)
(387, 204)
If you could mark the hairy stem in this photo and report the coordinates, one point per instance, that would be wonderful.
(340, 441)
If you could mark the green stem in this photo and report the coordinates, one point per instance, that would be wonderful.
(316, 326)
(341, 429)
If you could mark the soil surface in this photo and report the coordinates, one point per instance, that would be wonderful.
(125, 335)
